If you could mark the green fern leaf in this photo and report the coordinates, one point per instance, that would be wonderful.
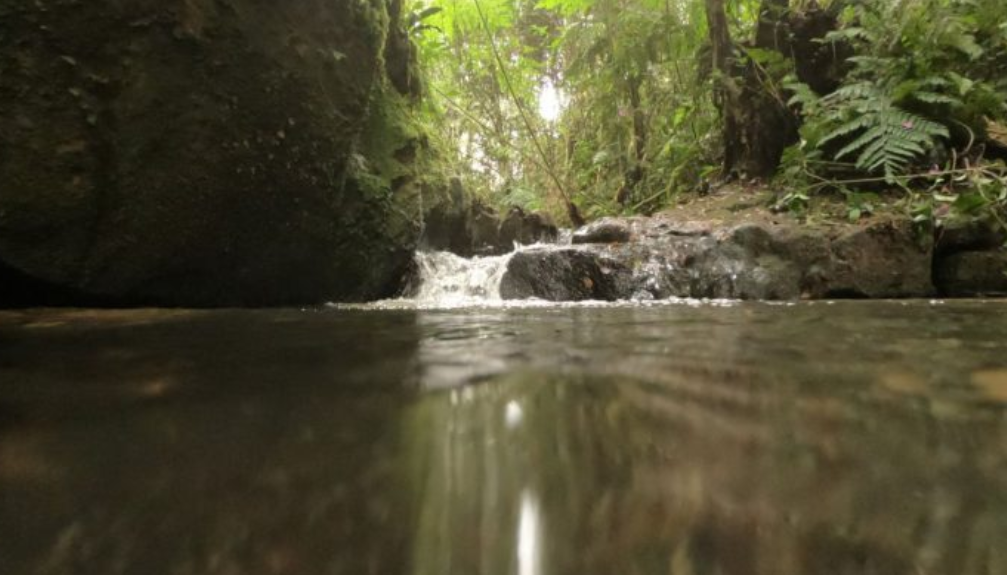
(866, 138)
(846, 129)
(936, 99)
(891, 139)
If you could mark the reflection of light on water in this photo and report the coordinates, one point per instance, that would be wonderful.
(513, 414)
(528, 547)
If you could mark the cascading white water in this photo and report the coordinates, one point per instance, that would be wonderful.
(447, 279)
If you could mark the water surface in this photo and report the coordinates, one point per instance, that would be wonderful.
(845, 438)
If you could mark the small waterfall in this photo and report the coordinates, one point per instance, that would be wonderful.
(445, 278)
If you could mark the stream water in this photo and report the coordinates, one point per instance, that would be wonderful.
(454, 434)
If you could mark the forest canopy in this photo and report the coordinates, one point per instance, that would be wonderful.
(585, 108)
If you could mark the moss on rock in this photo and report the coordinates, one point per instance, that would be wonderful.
(205, 153)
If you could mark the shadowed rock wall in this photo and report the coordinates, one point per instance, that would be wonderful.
(203, 153)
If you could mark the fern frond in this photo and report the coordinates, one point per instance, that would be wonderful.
(858, 91)
(936, 82)
(889, 139)
(847, 129)
(935, 98)
(913, 123)
(803, 95)
(847, 34)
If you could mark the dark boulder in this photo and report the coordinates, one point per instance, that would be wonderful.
(461, 224)
(564, 275)
(969, 235)
(603, 231)
(206, 153)
(970, 274)
(464, 225)
(883, 260)
(526, 228)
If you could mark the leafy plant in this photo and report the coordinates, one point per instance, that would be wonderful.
(859, 204)
(918, 83)
(882, 136)
(793, 201)
(416, 18)
(634, 127)
(634, 86)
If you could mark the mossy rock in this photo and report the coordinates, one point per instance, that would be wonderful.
(204, 153)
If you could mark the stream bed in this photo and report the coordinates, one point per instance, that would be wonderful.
(679, 438)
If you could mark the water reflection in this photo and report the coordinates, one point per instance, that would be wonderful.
(529, 540)
(203, 443)
(860, 438)
(620, 475)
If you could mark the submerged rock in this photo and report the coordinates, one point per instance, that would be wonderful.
(749, 261)
(205, 153)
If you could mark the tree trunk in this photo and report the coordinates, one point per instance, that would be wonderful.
(757, 125)
(636, 171)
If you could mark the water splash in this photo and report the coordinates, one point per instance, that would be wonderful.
(447, 279)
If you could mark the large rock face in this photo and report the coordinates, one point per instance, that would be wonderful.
(526, 228)
(464, 225)
(203, 152)
(656, 258)
(460, 223)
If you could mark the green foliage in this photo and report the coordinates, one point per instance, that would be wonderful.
(925, 79)
(637, 125)
(921, 79)
(859, 204)
(973, 193)
(884, 137)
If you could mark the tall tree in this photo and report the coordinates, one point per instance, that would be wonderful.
(757, 126)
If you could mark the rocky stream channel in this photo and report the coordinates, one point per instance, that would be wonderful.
(185, 185)
(655, 258)
(227, 153)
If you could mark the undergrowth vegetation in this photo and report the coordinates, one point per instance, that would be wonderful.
(585, 108)
(919, 110)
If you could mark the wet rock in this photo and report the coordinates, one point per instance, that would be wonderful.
(206, 153)
(484, 227)
(969, 274)
(882, 260)
(564, 275)
(603, 231)
(526, 228)
(461, 224)
(750, 261)
(465, 226)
